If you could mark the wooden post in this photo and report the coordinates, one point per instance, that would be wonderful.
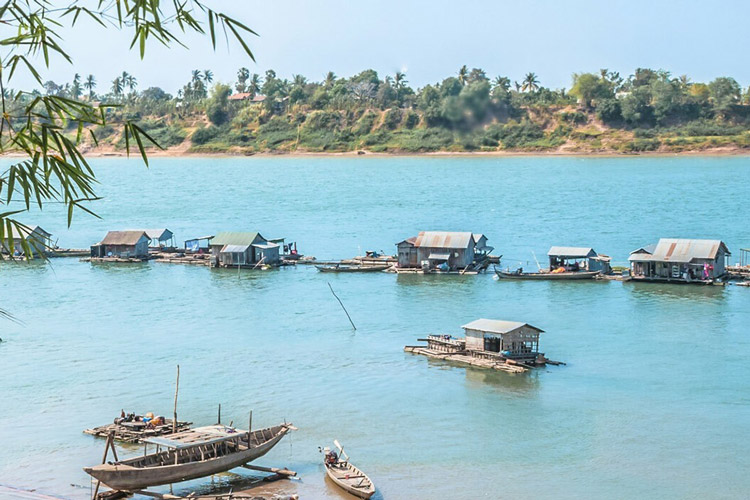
(219, 421)
(176, 389)
(110, 439)
(249, 426)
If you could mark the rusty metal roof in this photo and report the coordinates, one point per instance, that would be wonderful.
(443, 239)
(123, 237)
(497, 326)
(681, 250)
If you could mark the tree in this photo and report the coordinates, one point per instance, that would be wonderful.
(117, 86)
(242, 76)
(217, 107)
(463, 73)
(589, 87)
(52, 168)
(330, 79)
(725, 92)
(90, 85)
(254, 85)
(530, 83)
(75, 89)
(131, 82)
(208, 76)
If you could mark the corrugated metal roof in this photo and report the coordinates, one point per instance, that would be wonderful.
(574, 252)
(235, 238)
(23, 232)
(683, 250)
(439, 256)
(235, 248)
(496, 326)
(123, 237)
(158, 234)
(443, 239)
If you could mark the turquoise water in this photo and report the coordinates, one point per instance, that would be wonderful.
(654, 401)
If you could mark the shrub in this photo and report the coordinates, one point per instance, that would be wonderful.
(276, 131)
(204, 135)
(364, 125)
(639, 145)
(411, 120)
(392, 118)
(574, 117)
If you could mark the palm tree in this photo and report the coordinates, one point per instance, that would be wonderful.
(462, 74)
(131, 82)
(196, 76)
(90, 84)
(501, 84)
(117, 86)
(330, 79)
(254, 86)
(208, 76)
(299, 80)
(517, 86)
(76, 88)
(530, 83)
(399, 80)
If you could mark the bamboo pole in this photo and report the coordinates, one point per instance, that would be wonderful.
(219, 420)
(342, 306)
(176, 390)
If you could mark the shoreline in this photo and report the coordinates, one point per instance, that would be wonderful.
(716, 152)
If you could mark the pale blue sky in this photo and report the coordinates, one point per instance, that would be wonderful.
(432, 39)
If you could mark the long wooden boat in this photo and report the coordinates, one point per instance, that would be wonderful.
(577, 275)
(188, 455)
(352, 269)
(346, 476)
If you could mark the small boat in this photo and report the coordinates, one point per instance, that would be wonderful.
(345, 475)
(191, 454)
(568, 275)
(352, 269)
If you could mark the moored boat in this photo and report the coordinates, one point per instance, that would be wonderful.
(352, 269)
(345, 475)
(567, 275)
(191, 454)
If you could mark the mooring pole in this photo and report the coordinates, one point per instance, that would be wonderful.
(176, 390)
(342, 306)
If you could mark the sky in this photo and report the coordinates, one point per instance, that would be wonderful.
(429, 40)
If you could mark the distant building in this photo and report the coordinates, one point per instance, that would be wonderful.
(680, 260)
(242, 249)
(122, 244)
(578, 259)
(430, 249)
(510, 339)
(198, 244)
(247, 96)
(37, 238)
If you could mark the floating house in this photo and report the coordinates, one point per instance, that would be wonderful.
(233, 249)
(680, 260)
(578, 259)
(38, 240)
(122, 245)
(443, 250)
(504, 345)
(200, 244)
(160, 238)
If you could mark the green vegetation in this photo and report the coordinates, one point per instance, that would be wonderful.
(603, 112)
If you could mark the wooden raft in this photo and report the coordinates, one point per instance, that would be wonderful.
(134, 433)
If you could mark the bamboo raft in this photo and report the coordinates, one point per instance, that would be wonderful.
(136, 432)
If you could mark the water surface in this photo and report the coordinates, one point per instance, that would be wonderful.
(652, 403)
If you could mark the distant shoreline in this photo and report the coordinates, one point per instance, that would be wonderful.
(182, 153)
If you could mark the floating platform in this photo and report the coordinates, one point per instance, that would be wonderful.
(509, 365)
(135, 432)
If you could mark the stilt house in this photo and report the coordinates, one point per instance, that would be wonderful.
(680, 260)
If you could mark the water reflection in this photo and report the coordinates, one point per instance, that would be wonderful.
(501, 382)
(676, 292)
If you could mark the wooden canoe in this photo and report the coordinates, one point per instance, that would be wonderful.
(352, 269)
(188, 455)
(579, 275)
(351, 479)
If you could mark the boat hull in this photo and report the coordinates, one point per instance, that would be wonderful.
(338, 474)
(581, 275)
(355, 269)
(124, 477)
